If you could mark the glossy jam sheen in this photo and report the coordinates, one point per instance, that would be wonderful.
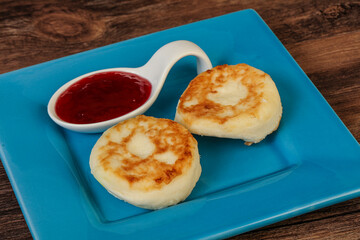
(102, 96)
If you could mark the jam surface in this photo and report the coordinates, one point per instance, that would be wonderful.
(102, 96)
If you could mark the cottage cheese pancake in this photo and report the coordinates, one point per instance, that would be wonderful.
(236, 101)
(149, 162)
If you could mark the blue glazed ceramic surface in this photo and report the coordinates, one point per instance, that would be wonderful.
(310, 162)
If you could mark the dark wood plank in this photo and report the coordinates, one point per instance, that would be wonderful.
(323, 36)
(12, 222)
(333, 63)
(328, 53)
(40, 31)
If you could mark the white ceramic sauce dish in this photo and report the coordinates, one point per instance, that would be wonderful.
(155, 71)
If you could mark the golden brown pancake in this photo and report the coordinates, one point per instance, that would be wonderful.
(231, 101)
(148, 162)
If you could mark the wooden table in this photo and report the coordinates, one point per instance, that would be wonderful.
(323, 37)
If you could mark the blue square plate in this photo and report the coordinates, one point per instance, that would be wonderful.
(312, 160)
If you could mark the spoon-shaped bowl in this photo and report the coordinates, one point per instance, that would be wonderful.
(155, 71)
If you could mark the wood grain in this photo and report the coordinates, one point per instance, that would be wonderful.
(334, 57)
(322, 36)
(321, 55)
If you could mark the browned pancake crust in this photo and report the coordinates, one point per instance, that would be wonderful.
(203, 85)
(166, 135)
